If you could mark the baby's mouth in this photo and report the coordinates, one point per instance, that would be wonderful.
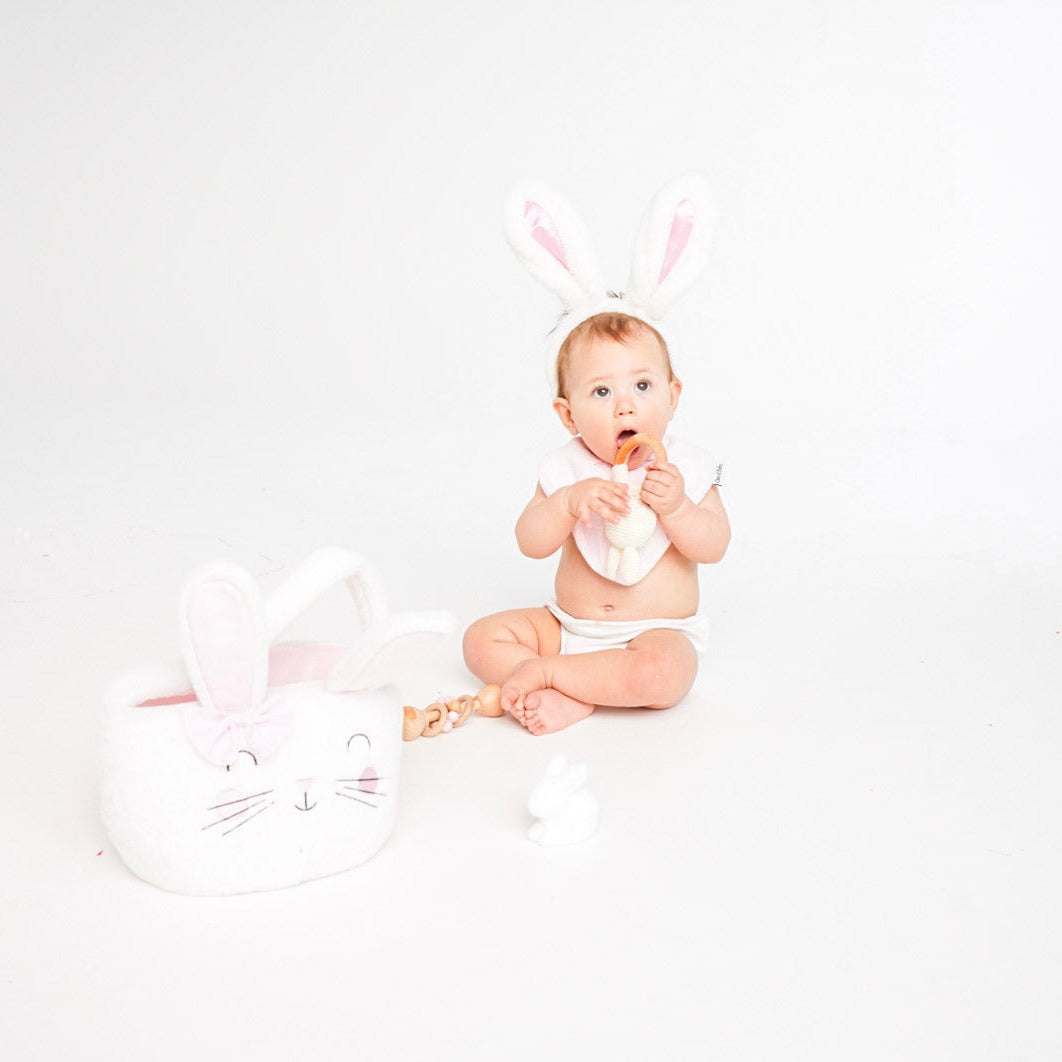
(624, 436)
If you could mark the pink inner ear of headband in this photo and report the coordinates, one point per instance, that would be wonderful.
(681, 227)
(544, 233)
(287, 664)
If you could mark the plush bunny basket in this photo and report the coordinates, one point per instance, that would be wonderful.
(258, 766)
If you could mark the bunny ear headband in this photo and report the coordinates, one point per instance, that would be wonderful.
(670, 253)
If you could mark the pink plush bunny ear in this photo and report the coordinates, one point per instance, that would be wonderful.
(383, 653)
(223, 635)
(553, 244)
(672, 247)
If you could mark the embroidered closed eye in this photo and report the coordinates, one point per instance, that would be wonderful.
(237, 764)
(356, 741)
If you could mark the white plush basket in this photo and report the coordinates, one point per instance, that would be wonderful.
(257, 766)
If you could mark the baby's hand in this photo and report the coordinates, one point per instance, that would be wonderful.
(664, 489)
(609, 500)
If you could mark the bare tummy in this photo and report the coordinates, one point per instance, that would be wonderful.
(669, 591)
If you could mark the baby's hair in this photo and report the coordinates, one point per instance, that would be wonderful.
(618, 326)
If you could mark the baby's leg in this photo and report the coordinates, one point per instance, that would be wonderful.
(496, 645)
(656, 670)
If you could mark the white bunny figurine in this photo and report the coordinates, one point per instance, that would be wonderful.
(565, 810)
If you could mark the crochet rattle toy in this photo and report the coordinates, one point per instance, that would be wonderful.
(443, 716)
(632, 531)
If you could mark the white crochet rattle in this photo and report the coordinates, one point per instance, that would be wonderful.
(632, 531)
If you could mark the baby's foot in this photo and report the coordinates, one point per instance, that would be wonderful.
(547, 711)
(527, 678)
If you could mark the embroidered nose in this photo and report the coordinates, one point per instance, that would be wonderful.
(305, 799)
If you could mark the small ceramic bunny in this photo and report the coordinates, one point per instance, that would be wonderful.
(567, 812)
(258, 766)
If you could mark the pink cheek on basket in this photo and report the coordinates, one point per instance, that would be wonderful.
(369, 780)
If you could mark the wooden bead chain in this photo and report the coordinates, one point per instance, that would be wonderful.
(443, 716)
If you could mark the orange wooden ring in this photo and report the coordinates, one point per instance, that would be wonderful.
(641, 439)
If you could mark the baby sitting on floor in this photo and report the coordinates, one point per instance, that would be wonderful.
(621, 642)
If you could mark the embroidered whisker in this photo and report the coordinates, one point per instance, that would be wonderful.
(367, 792)
(241, 800)
(362, 781)
(367, 803)
(245, 821)
(235, 814)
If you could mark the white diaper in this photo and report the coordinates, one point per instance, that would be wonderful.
(590, 636)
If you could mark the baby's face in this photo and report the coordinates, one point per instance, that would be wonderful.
(615, 390)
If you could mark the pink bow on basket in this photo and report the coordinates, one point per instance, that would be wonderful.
(219, 736)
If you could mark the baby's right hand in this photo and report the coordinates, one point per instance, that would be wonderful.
(609, 500)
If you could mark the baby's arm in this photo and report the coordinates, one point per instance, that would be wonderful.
(700, 532)
(548, 520)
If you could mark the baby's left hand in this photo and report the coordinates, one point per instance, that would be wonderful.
(664, 489)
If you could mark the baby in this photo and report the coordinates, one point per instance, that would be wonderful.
(603, 641)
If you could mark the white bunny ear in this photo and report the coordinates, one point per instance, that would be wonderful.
(557, 766)
(548, 237)
(319, 572)
(380, 657)
(223, 637)
(672, 247)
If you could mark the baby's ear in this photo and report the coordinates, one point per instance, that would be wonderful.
(673, 243)
(384, 652)
(563, 409)
(552, 242)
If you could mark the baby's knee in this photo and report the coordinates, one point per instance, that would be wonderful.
(475, 640)
(665, 672)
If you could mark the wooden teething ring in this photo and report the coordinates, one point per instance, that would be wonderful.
(437, 719)
(641, 439)
(431, 721)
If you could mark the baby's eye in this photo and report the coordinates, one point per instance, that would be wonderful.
(643, 385)
(601, 392)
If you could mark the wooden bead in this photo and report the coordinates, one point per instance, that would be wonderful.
(489, 699)
(413, 723)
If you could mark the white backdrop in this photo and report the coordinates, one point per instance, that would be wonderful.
(256, 299)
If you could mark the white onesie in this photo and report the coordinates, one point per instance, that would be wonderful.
(573, 462)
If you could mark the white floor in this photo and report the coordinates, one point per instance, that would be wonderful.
(845, 844)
